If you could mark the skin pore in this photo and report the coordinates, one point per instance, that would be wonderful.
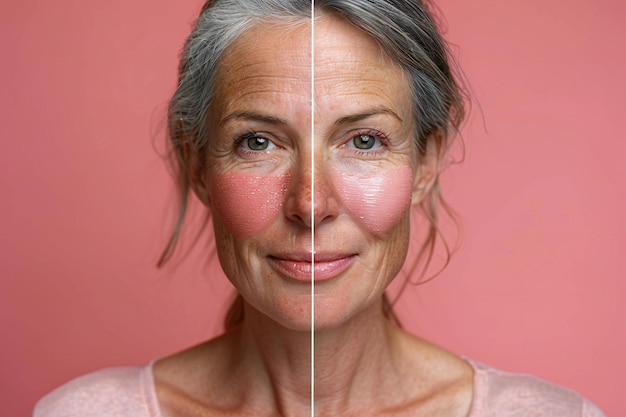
(258, 187)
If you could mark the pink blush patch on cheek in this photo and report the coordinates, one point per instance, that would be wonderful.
(376, 200)
(248, 204)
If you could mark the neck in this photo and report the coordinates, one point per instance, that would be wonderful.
(278, 360)
(352, 363)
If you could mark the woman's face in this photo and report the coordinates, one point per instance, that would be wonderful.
(288, 157)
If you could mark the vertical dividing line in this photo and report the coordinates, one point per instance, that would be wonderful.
(312, 208)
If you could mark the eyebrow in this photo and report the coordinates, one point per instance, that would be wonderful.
(254, 116)
(362, 116)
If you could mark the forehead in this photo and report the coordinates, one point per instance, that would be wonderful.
(352, 71)
(274, 64)
(268, 60)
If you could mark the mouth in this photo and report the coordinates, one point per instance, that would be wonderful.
(302, 267)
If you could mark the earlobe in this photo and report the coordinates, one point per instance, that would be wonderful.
(428, 167)
(198, 181)
(199, 185)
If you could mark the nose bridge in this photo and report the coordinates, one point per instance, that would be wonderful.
(311, 198)
(322, 186)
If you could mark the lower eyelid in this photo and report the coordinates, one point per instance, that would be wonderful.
(356, 153)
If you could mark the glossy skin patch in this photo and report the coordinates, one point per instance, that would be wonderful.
(377, 201)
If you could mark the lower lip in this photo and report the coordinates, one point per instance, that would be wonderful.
(305, 271)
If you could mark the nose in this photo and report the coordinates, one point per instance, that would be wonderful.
(311, 198)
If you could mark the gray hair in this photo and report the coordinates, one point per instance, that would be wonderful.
(406, 33)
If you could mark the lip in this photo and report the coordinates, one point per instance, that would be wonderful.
(298, 266)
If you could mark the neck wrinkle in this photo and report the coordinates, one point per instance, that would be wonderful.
(354, 364)
(279, 359)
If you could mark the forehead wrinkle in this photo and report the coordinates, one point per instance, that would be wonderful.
(265, 85)
(264, 77)
(271, 95)
(361, 82)
(269, 65)
(268, 81)
(353, 67)
(350, 64)
(360, 76)
(266, 72)
(357, 85)
(256, 61)
(376, 94)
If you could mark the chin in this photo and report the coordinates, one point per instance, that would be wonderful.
(332, 312)
(292, 313)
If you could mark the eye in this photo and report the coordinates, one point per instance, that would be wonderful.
(369, 140)
(258, 144)
(254, 142)
(365, 144)
(364, 141)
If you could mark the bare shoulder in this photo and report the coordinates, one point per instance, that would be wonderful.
(108, 392)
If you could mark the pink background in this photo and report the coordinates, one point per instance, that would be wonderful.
(86, 202)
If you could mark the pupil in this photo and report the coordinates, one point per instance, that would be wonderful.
(364, 142)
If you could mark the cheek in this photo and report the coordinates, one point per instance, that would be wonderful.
(379, 200)
(248, 204)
